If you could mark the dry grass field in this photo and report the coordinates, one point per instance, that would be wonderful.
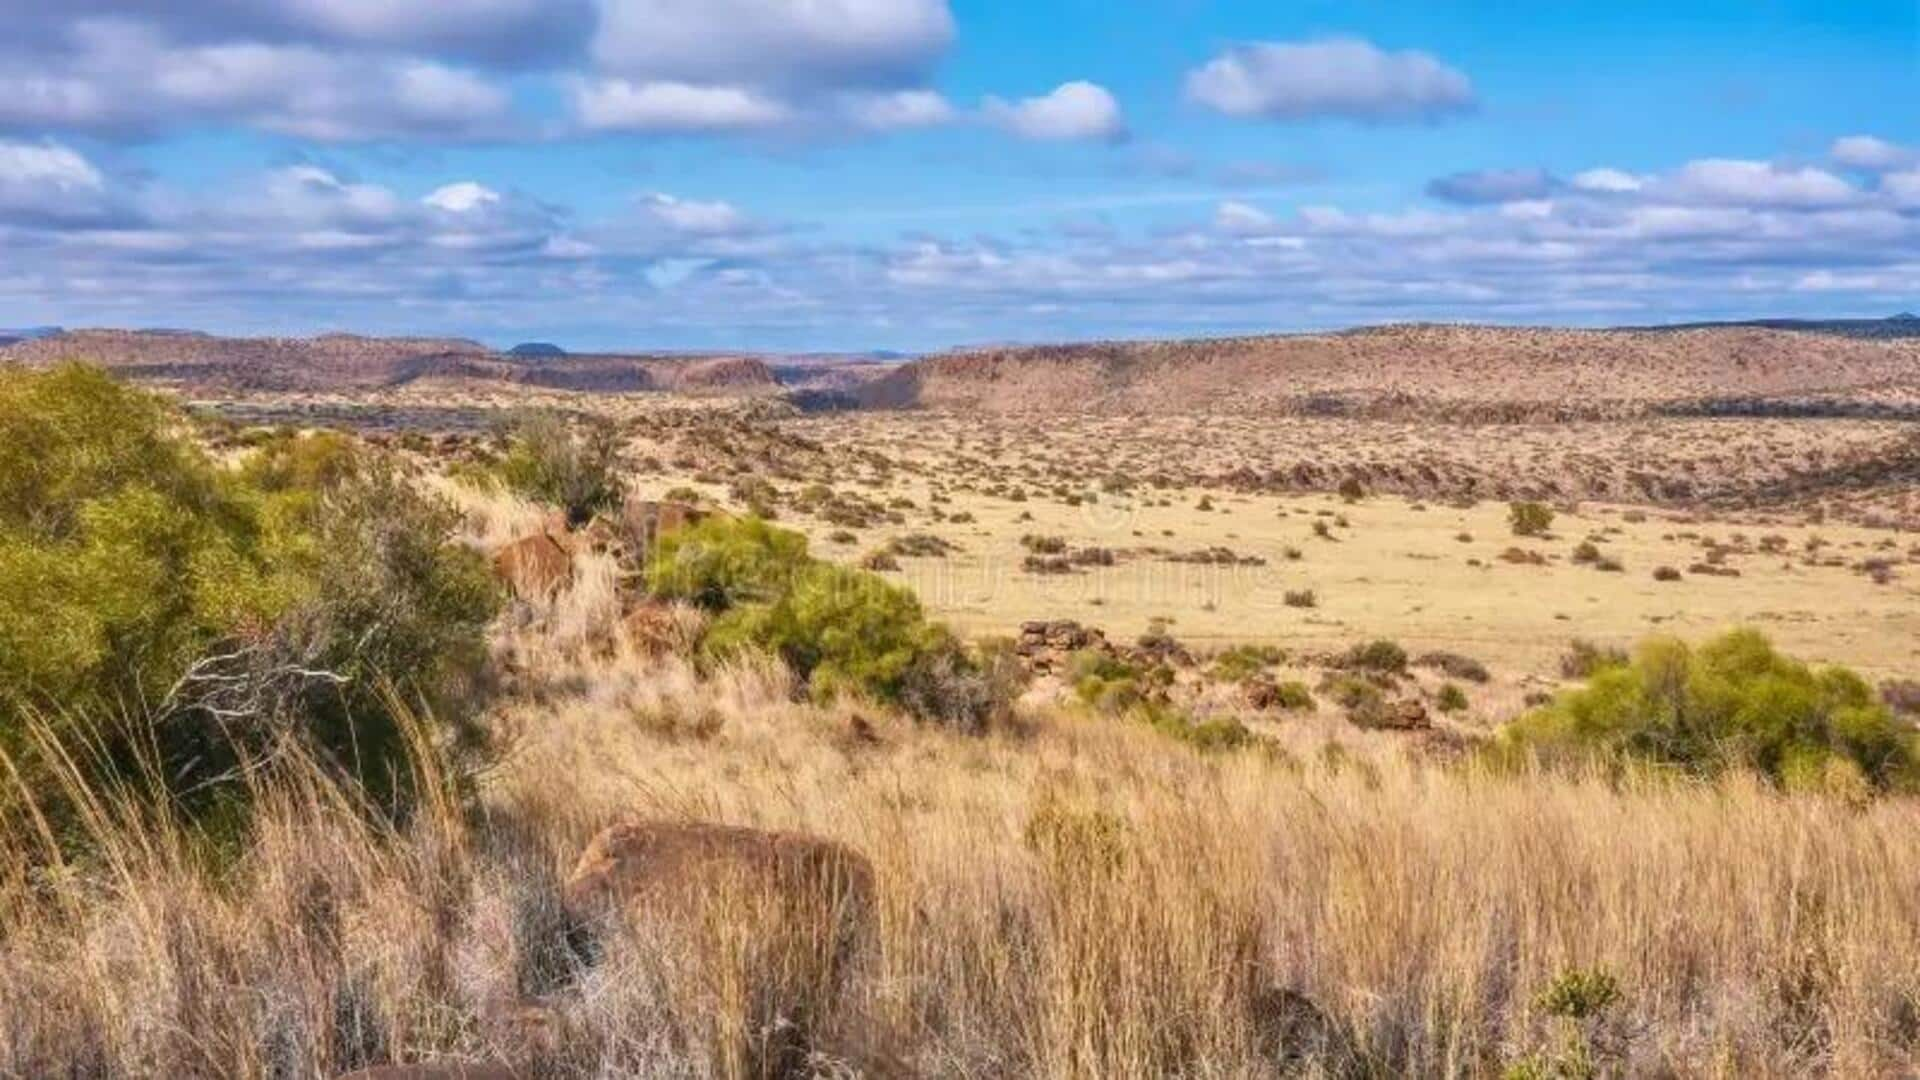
(1076, 891)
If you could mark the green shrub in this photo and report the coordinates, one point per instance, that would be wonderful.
(1210, 734)
(1243, 662)
(1732, 702)
(840, 630)
(1579, 994)
(180, 618)
(1529, 518)
(573, 464)
(1451, 698)
(1105, 682)
(1293, 696)
(723, 562)
(1382, 656)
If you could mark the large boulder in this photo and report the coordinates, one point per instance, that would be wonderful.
(785, 915)
(647, 867)
(534, 567)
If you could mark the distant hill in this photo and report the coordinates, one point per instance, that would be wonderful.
(1904, 325)
(536, 349)
(1437, 371)
(9, 335)
(346, 363)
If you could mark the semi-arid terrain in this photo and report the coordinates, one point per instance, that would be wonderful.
(1420, 700)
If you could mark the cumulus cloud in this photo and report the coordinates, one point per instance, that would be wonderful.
(1759, 183)
(694, 217)
(1341, 77)
(1605, 180)
(1869, 153)
(746, 65)
(1238, 217)
(109, 77)
(311, 245)
(51, 184)
(463, 197)
(899, 110)
(1492, 186)
(619, 105)
(1074, 110)
(806, 46)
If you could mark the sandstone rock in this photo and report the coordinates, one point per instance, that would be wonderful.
(660, 868)
(534, 567)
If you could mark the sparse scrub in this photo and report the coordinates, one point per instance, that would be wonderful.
(569, 462)
(1529, 518)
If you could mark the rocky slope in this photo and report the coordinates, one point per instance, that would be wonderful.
(347, 363)
(1427, 371)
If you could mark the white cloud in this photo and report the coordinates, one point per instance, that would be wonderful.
(900, 109)
(1074, 110)
(123, 77)
(693, 217)
(1239, 218)
(1903, 188)
(51, 184)
(796, 44)
(1340, 77)
(1869, 153)
(48, 165)
(1758, 183)
(463, 197)
(619, 105)
(1611, 181)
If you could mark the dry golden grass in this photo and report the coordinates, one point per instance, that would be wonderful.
(1082, 898)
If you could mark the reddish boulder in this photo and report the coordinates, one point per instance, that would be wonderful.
(534, 567)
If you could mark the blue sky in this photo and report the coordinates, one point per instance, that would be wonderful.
(917, 174)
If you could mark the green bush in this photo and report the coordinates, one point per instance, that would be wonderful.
(1292, 696)
(1732, 702)
(573, 464)
(1451, 699)
(838, 629)
(178, 617)
(1529, 518)
(723, 562)
(1382, 656)
(1243, 662)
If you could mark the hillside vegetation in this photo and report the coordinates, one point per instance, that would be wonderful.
(714, 804)
(1426, 372)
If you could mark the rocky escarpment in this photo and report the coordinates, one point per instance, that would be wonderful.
(1469, 373)
(347, 363)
